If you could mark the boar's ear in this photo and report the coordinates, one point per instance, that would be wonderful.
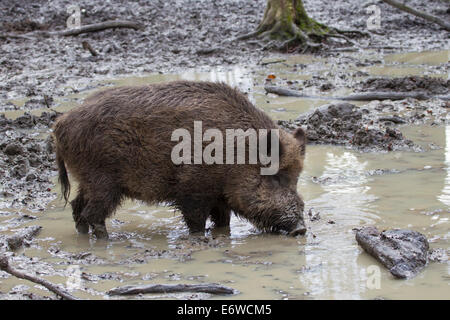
(300, 135)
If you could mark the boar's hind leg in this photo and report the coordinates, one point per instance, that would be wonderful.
(101, 205)
(78, 205)
(220, 215)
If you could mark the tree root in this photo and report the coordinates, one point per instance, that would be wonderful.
(293, 38)
(354, 32)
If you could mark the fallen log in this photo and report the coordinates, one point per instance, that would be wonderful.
(16, 240)
(212, 288)
(366, 96)
(418, 13)
(403, 252)
(5, 266)
(98, 27)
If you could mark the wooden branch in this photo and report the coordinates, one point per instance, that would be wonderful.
(212, 288)
(4, 265)
(15, 36)
(366, 96)
(76, 31)
(98, 27)
(418, 13)
(361, 33)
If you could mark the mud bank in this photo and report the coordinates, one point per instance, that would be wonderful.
(425, 84)
(372, 127)
(26, 161)
(346, 124)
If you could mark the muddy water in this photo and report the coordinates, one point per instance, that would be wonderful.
(345, 187)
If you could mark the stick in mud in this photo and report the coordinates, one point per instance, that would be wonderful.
(212, 288)
(95, 27)
(4, 265)
(99, 27)
(87, 46)
(367, 96)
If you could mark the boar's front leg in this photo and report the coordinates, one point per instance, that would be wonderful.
(220, 215)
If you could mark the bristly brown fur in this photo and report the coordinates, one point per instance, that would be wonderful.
(118, 144)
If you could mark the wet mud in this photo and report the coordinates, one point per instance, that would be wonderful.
(26, 161)
(428, 85)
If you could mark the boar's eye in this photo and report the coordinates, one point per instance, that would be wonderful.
(276, 179)
(280, 179)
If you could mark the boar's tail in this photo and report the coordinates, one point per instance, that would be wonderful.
(63, 178)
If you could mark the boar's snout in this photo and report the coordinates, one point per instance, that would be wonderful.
(297, 224)
(300, 229)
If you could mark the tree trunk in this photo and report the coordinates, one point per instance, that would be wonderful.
(287, 26)
(285, 19)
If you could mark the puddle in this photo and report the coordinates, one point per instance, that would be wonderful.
(326, 264)
(151, 244)
(411, 64)
(426, 57)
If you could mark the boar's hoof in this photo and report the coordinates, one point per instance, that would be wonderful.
(82, 227)
(300, 230)
(99, 230)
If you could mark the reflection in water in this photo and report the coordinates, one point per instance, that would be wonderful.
(236, 77)
(332, 254)
(445, 196)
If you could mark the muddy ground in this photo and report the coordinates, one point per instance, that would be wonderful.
(39, 73)
(175, 37)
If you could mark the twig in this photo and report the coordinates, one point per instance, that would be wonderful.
(265, 63)
(15, 36)
(4, 265)
(361, 33)
(367, 96)
(87, 46)
(418, 13)
(212, 288)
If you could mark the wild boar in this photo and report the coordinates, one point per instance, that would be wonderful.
(119, 144)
